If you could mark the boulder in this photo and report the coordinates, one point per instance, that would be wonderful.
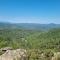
(56, 56)
(5, 49)
(18, 54)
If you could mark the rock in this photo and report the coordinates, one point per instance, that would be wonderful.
(18, 54)
(56, 56)
(5, 49)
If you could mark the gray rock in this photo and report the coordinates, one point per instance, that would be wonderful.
(56, 56)
(18, 54)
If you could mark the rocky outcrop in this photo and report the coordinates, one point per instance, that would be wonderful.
(56, 56)
(18, 54)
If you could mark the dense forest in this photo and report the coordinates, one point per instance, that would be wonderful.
(19, 38)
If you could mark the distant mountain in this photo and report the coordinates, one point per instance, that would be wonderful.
(29, 26)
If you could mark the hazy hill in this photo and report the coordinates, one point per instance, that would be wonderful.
(29, 26)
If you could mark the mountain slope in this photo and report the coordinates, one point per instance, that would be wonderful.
(31, 26)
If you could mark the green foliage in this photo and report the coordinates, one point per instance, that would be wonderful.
(29, 39)
(36, 54)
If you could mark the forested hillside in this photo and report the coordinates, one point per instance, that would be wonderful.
(18, 38)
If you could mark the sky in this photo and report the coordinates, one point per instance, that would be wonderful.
(30, 11)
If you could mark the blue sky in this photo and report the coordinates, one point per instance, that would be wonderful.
(30, 11)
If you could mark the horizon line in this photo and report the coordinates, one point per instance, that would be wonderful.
(27, 22)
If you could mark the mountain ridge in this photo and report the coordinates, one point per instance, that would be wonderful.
(29, 25)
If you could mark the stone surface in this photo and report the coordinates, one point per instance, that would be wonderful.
(18, 54)
(56, 56)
